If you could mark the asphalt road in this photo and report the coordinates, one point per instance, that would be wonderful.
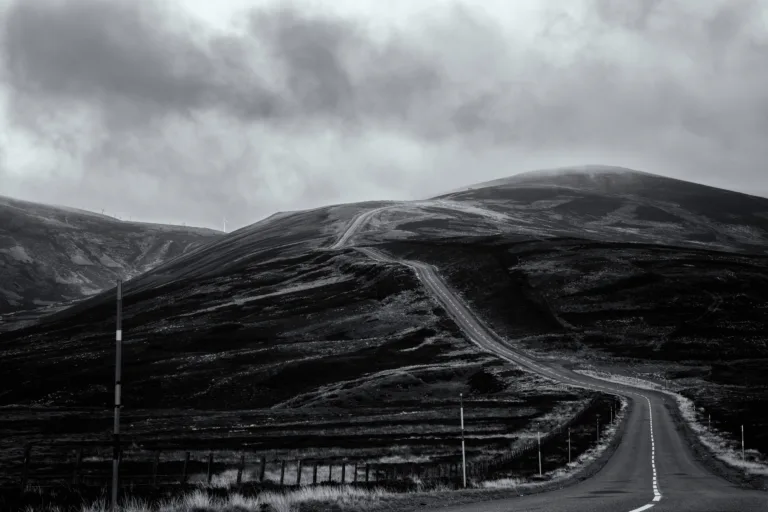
(354, 226)
(653, 466)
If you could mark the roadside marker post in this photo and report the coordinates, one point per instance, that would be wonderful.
(569, 445)
(463, 451)
(118, 376)
(743, 458)
(538, 439)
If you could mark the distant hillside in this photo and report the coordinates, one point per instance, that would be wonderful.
(51, 254)
(614, 204)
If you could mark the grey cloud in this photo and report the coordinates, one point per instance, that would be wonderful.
(130, 59)
(629, 15)
(98, 51)
(131, 69)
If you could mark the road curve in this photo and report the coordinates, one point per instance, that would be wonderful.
(653, 466)
(358, 221)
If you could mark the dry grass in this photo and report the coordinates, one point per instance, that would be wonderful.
(344, 498)
(570, 469)
(724, 449)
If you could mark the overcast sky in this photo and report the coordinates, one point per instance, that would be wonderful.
(194, 110)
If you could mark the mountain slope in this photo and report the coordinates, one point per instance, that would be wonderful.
(616, 204)
(280, 316)
(54, 254)
(305, 349)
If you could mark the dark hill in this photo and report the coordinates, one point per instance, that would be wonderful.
(50, 254)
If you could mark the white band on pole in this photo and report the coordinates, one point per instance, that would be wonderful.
(119, 335)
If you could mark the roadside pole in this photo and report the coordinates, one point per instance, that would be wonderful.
(118, 376)
(538, 439)
(463, 451)
(743, 459)
(569, 445)
(598, 429)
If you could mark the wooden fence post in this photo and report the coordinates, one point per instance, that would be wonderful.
(25, 468)
(330, 472)
(263, 469)
(314, 474)
(184, 470)
(367, 468)
(210, 467)
(343, 471)
(155, 465)
(240, 469)
(78, 464)
(282, 473)
(298, 472)
(354, 477)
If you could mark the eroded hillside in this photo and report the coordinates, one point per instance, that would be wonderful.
(50, 255)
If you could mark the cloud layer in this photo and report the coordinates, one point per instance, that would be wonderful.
(135, 106)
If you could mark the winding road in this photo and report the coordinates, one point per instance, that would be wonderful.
(653, 466)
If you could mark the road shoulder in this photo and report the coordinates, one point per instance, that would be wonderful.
(707, 458)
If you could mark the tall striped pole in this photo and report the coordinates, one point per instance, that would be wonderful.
(118, 376)
(463, 451)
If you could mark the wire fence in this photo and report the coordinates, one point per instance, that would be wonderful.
(90, 464)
